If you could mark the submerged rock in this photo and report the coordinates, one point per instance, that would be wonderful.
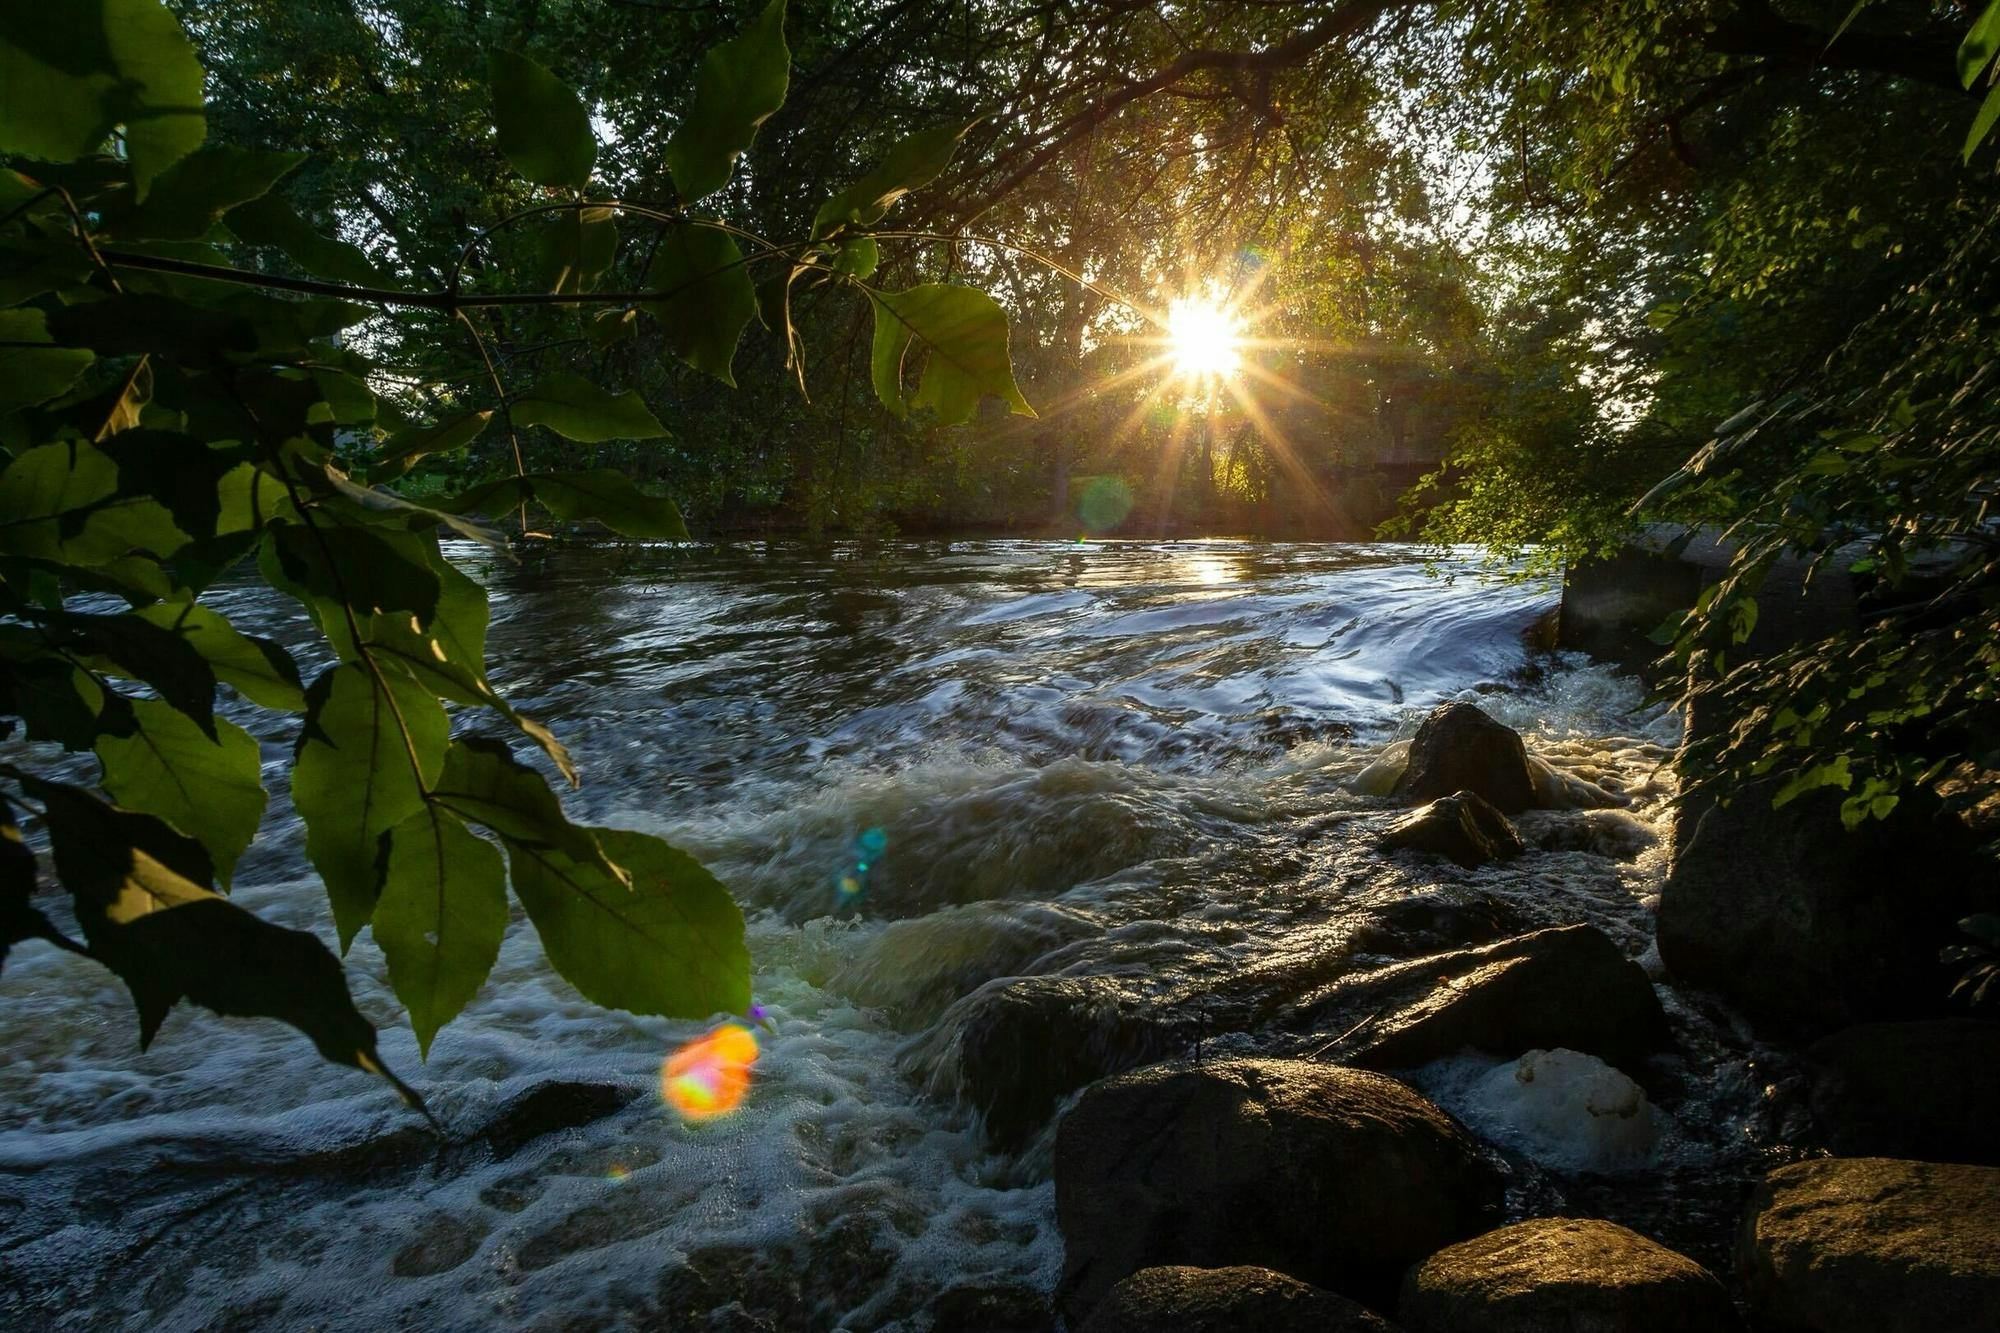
(1339, 1177)
(1459, 748)
(547, 1107)
(1227, 1300)
(1875, 1245)
(1568, 987)
(1463, 827)
(1563, 1275)
(1927, 1090)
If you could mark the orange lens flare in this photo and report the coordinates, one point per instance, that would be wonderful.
(709, 1076)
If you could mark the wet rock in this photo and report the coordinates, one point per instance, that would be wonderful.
(547, 1107)
(1609, 833)
(1459, 748)
(441, 1244)
(1925, 1090)
(1448, 918)
(998, 1308)
(1227, 1300)
(915, 969)
(1339, 1177)
(1875, 1245)
(1803, 925)
(1024, 1044)
(1562, 1275)
(1463, 827)
(1565, 987)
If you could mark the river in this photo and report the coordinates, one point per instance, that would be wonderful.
(1127, 759)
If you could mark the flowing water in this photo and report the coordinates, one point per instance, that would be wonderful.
(1142, 763)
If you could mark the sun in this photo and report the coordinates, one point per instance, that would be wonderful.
(1203, 338)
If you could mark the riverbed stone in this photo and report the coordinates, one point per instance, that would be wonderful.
(1460, 748)
(1875, 1245)
(1463, 827)
(548, 1107)
(1025, 1044)
(1568, 986)
(1339, 1177)
(1563, 1275)
(1927, 1090)
(1227, 1300)
(1803, 925)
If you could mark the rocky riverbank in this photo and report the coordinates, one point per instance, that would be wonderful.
(1321, 1191)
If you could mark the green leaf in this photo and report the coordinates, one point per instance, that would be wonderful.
(191, 196)
(576, 409)
(1981, 44)
(67, 78)
(259, 669)
(858, 257)
(1982, 124)
(271, 221)
(133, 647)
(483, 782)
(963, 335)
(54, 700)
(143, 905)
(400, 452)
(362, 568)
(34, 374)
(209, 790)
(370, 748)
(910, 165)
(544, 129)
(604, 494)
(388, 502)
(141, 323)
(670, 944)
(441, 917)
(740, 84)
(62, 502)
(574, 248)
(709, 299)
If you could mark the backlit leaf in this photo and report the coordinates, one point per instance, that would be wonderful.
(574, 248)
(483, 782)
(191, 196)
(709, 299)
(960, 334)
(910, 165)
(740, 84)
(30, 375)
(371, 746)
(271, 221)
(573, 407)
(604, 494)
(401, 451)
(262, 671)
(440, 918)
(544, 129)
(209, 790)
(671, 943)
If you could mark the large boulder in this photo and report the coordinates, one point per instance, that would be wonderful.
(1928, 1090)
(1562, 1275)
(1463, 827)
(1804, 925)
(1875, 1245)
(1227, 1300)
(1013, 1049)
(1339, 1177)
(1568, 987)
(1459, 748)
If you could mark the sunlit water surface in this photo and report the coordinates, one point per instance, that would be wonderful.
(1098, 758)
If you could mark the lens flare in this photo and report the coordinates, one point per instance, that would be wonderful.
(709, 1076)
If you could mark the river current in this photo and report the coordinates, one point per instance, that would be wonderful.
(1144, 761)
